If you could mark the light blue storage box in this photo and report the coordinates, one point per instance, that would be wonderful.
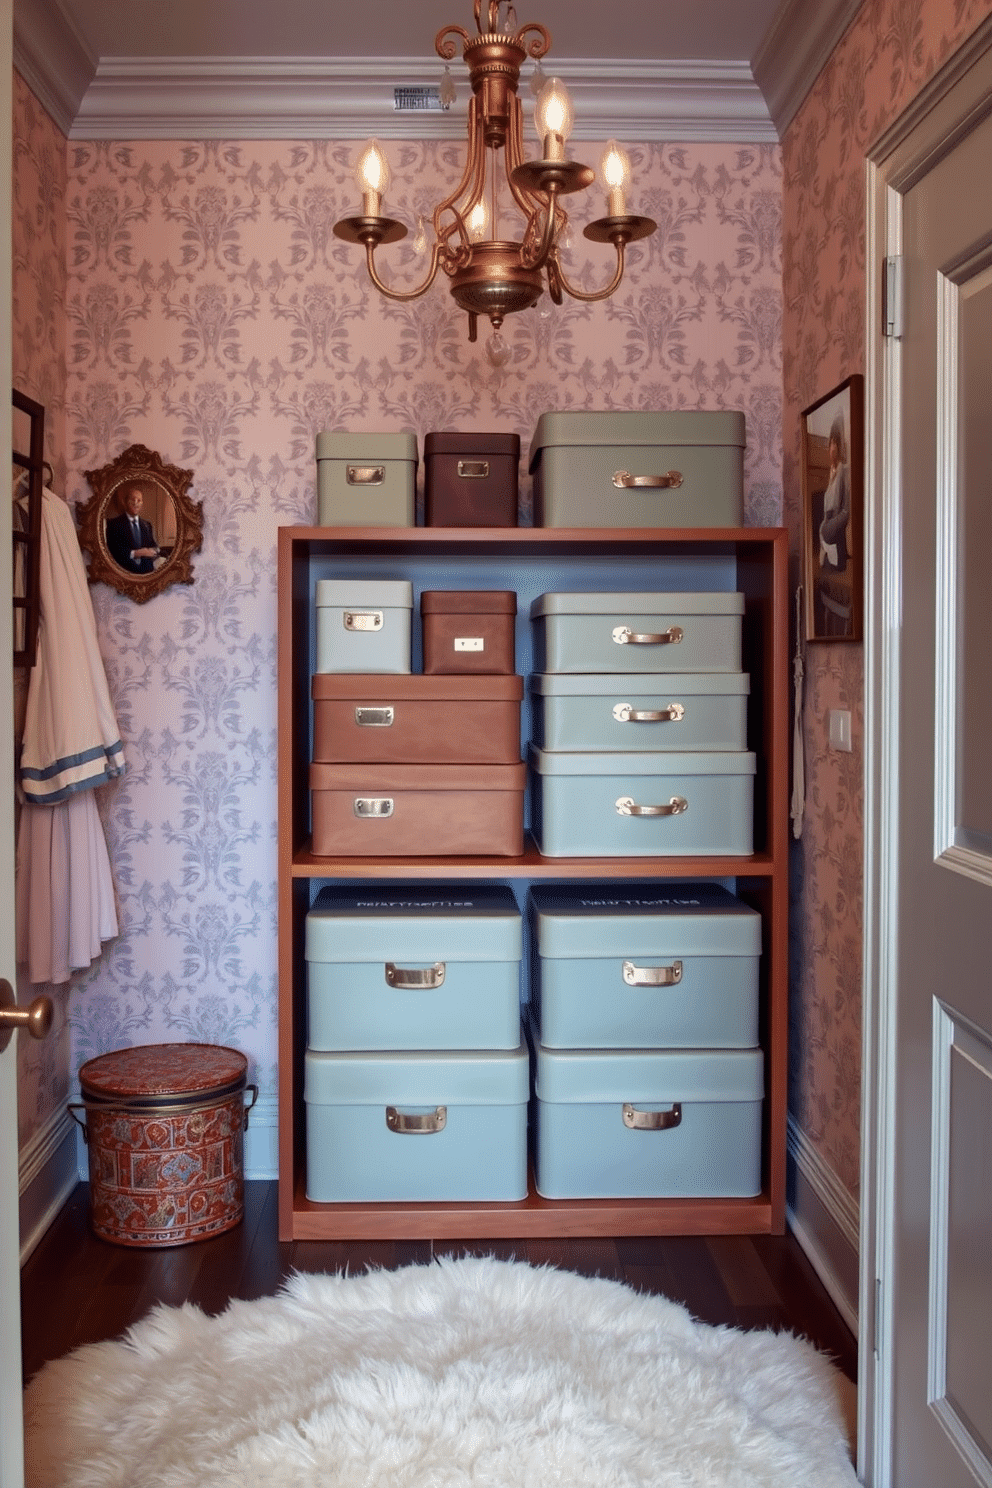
(416, 1127)
(364, 625)
(641, 805)
(638, 468)
(637, 632)
(644, 966)
(642, 711)
(647, 1124)
(406, 968)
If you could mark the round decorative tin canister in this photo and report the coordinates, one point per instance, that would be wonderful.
(165, 1128)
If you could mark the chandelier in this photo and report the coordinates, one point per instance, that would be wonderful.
(489, 274)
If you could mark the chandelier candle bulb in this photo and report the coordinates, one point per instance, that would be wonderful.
(372, 176)
(553, 118)
(616, 178)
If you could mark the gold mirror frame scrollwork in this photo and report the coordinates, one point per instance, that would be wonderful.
(142, 467)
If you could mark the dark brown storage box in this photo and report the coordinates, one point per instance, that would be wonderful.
(470, 480)
(412, 719)
(468, 630)
(414, 811)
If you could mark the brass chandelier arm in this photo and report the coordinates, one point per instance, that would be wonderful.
(443, 44)
(402, 294)
(599, 294)
(549, 237)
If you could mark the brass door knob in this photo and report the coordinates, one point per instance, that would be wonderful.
(37, 1018)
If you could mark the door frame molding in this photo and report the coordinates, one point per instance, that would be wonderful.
(953, 101)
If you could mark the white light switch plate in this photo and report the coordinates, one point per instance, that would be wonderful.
(840, 729)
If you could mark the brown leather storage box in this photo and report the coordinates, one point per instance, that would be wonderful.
(468, 630)
(470, 480)
(412, 719)
(417, 810)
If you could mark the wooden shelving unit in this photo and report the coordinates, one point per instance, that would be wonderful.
(531, 561)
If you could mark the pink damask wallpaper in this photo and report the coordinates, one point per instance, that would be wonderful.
(887, 55)
(211, 314)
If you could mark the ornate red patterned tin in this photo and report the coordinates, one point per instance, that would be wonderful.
(165, 1127)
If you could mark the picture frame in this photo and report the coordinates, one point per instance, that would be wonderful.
(833, 513)
(171, 521)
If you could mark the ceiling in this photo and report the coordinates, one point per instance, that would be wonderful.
(248, 68)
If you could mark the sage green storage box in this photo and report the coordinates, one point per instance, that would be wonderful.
(366, 480)
(586, 805)
(645, 710)
(637, 632)
(638, 469)
(397, 1127)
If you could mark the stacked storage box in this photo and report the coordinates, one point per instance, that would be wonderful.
(416, 1073)
(411, 764)
(639, 742)
(648, 1081)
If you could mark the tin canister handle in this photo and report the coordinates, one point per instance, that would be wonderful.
(651, 1120)
(624, 713)
(627, 806)
(670, 481)
(251, 1090)
(372, 806)
(362, 619)
(412, 1123)
(624, 636)
(473, 469)
(72, 1108)
(365, 475)
(652, 976)
(413, 977)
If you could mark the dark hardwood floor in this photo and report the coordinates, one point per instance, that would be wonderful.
(77, 1289)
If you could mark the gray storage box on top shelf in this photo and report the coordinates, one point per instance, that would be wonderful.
(637, 632)
(639, 711)
(648, 1123)
(642, 805)
(435, 1126)
(366, 480)
(401, 967)
(364, 625)
(638, 469)
(643, 965)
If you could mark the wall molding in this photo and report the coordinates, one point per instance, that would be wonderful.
(825, 1219)
(795, 49)
(47, 1174)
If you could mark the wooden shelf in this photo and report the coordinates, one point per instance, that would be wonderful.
(528, 559)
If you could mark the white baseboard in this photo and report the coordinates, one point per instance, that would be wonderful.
(823, 1216)
(47, 1174)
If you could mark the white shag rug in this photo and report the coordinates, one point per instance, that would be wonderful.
(494, 1374)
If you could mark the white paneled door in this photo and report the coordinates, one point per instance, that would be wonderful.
(11, 1453)
(933, 849)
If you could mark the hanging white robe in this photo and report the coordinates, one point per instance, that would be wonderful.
(65, 906)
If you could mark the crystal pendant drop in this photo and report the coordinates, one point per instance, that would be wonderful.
(447, 92)
(498, 349)
(419, 244)
(537, 78)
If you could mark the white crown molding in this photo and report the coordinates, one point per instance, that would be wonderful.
(52, 58)
(351, 98)
(794, 51)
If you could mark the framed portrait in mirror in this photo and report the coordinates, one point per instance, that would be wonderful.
(140, 527)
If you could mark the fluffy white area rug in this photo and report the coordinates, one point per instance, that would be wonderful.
(463, 1372)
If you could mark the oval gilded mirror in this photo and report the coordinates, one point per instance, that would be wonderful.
(139, 527)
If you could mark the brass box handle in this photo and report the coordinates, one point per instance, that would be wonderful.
(652, 976)
(651, 1120)
(624, 636)
(362, 619)
(415, 977)
(411, 1124)
(473, 469)
(670, 481)
(624, 713)
(365, 475)
(371, 806)
(626, 806)
(374, 717)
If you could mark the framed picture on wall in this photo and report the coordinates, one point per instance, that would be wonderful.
(833, 530)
